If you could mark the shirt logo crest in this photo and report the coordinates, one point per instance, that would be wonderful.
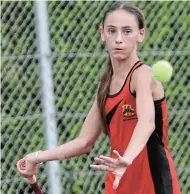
(128, 111)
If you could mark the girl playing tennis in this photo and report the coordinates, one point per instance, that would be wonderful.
(131, 109)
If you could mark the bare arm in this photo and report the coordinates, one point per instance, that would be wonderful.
(142, 82)
(82, 144)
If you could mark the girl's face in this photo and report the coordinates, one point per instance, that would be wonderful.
(121, 34)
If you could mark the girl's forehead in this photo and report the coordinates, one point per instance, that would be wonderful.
(120, 18)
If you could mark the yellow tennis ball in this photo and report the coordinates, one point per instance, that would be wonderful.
(162, 71)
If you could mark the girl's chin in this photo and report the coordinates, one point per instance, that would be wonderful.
(119, 57)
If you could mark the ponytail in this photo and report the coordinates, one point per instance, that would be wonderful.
(103, 91)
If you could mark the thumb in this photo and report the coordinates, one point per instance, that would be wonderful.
(116, 182)
(117, 153)
(32, 179)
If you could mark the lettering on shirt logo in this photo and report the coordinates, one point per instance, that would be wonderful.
(128, 111)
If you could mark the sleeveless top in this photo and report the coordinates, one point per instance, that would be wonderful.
(153, 170)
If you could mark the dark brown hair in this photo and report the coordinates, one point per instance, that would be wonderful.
(105, 80)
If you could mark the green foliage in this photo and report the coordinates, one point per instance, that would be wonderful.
(78, 60)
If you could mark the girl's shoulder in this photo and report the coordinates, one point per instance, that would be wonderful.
(143, 71)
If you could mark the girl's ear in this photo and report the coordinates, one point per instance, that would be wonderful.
(141, 35)
(102, 33)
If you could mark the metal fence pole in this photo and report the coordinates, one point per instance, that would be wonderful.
(47, 93)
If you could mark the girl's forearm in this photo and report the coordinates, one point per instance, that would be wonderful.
(140, 136)
(68, 150)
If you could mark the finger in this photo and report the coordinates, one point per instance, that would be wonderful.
(102, 167)
(22, 170)
(116, 182)
(19, 168)
(22, 164)
(117, 153)
(31, 180)
(101, 161)
(107, 159)
(26, 174)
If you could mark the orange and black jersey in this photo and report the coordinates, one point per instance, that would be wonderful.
(152, 171)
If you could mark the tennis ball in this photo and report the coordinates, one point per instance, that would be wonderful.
(162, 71)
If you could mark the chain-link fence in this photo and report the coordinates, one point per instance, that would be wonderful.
(78, 59)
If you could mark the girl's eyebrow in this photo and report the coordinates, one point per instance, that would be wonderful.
(111, 26)
(127, 27)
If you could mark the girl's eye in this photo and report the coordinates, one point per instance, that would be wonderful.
(111, 31)
(127, 31)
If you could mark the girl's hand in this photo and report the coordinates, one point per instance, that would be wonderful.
(116, 166)
(27, 166)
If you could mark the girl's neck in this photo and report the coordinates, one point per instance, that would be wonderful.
(121, 68)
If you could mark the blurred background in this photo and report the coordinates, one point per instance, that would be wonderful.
(52, 59)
